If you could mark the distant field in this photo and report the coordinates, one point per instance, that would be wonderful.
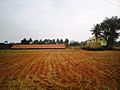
(59, 69)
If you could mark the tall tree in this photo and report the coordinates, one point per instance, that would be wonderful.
(40, 42)
(49, 41)
(36, 41)
(66, 41)
(58, 41)
(30, 41)
(24, 41)
(96, 31)
(61, 41)
(110, 28)
(53, 41)
(45, 41)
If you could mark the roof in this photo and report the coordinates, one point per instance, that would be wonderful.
(94, 37)
(38, 46)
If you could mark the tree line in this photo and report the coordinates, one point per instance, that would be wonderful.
(45, 41)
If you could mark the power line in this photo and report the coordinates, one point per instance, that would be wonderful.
(112, 3)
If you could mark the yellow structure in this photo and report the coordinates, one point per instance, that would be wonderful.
(100, 40)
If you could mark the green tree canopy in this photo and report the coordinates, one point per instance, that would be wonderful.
(61, 41)
(24, 41)
(96, 31)
(108, 29)
(36, 41)
(66, 41)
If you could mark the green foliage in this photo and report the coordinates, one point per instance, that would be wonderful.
(24, 41)
(108, 29)
(45, 41)
(74, 43)
(30, 40)
(66, 41)
(35, 42)
(61, 41)
(96, 31)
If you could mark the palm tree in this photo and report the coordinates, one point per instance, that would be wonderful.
(96, 31)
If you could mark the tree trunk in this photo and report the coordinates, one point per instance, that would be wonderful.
(96, 37)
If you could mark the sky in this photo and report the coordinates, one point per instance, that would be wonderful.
(49, 19)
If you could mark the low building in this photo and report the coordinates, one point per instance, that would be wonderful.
(38, 46)
(100, 40)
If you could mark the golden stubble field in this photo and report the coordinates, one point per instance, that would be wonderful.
(59, 69)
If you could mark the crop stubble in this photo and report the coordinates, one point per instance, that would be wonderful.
(60, 70)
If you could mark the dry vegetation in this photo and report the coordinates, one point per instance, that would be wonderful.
(65, 69)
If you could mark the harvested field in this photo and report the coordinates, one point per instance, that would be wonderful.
(39, 46)
(56, 69)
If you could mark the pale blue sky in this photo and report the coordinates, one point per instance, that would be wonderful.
(40, 19)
